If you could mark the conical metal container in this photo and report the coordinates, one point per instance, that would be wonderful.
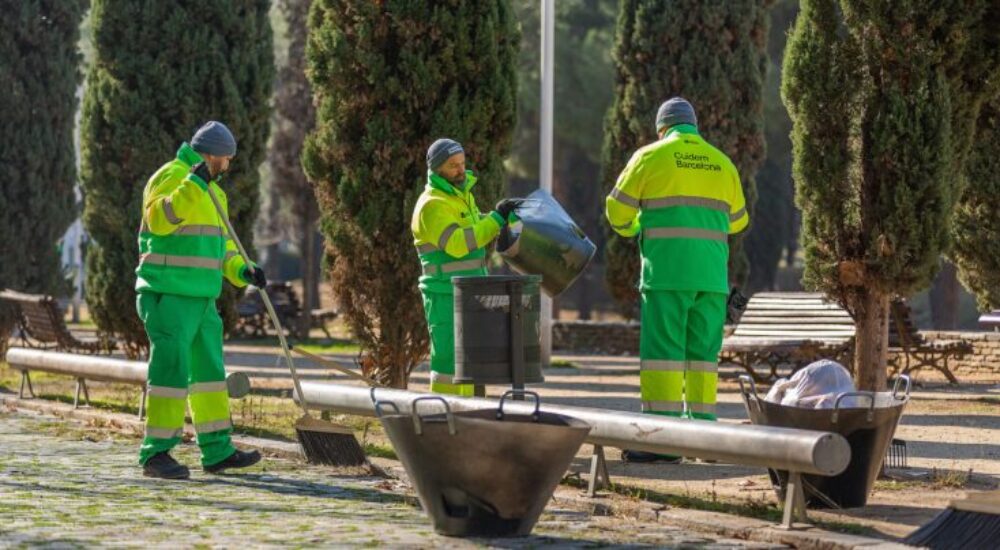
(483, 473)
(868, 429)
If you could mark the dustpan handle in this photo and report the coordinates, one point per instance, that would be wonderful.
(869, 395)
(418, 425)
(538, 403)
(895, 388)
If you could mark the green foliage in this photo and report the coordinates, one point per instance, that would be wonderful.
(389, 78)
(713, 54)
(881, 95)
(775, 227)
(39, 73)
(977, 219)
(160, 70)
(582, 89)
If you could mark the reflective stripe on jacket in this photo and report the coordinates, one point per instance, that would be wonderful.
(450, 233)
(183, 246)
(683, 198)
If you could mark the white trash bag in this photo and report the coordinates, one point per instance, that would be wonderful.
(815, 387)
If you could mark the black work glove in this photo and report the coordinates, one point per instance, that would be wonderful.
(201, 170)
(255, 276)
(736, 304)
(506, 206)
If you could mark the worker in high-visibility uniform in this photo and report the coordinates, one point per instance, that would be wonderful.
(682, 197)
(451, 236)
(184, 252)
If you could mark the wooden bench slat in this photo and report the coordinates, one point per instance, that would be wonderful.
(829, 313)
(798, 321)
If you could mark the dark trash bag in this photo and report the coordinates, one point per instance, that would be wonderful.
(482, 473)
(867, 428)
(546, 241)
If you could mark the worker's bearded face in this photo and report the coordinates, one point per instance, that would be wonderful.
(453, 170)
(217, 165)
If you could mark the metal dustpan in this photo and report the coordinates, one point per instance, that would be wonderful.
(482, 473)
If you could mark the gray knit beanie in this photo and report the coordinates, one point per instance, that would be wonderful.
(214, 139)
(441, 150)
(674, 111)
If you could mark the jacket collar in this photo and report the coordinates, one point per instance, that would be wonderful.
(435, 181)
(682, 129)
(187, 155)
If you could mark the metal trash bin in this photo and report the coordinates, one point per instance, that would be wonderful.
(497, 330)
(546, 241)
(868, 430)
(482, 473)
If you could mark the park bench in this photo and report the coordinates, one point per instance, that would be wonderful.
(41, 324)
(909, 350)
(253, 321)
(796, 328)
(990, 320)
(95, 368)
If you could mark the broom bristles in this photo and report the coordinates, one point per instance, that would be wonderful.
(973, 527)
(329, 443)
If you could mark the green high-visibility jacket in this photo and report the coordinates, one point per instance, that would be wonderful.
(183, 246)
(450, 233)
(683, 198)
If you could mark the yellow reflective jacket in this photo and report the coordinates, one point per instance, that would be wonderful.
(683, 198)
(450, 233)
(183, 246)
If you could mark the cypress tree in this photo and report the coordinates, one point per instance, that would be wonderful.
(39, 75)
(977, 225)
(875, 159)
(160, 70)
(714, 55)
(389, 77)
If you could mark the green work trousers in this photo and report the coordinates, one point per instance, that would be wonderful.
(678, 350)
(185, 368)
(439, 309)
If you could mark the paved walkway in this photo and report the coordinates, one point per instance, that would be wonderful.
(64, 486)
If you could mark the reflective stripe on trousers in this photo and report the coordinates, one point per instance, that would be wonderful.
(443, 383)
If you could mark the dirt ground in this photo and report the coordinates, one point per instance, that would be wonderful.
(952, 436)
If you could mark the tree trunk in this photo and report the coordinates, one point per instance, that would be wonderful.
(944, 298)
(871, 340)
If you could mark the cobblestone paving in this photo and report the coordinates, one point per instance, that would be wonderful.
(64, 486)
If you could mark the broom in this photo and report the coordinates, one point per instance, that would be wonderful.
(322, 442)
(970, 523)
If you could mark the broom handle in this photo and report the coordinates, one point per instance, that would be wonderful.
(267, 302)
(335, 366)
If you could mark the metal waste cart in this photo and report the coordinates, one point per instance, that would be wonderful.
(868, 429)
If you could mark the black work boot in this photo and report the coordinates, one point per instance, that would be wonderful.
(239, 459)
(163, 466)
(638, 457)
